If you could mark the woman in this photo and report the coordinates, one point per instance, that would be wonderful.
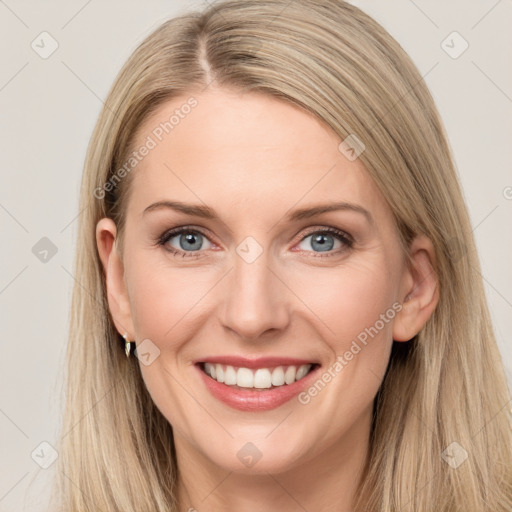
(272, 217)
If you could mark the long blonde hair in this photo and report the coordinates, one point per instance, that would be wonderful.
(444, 398)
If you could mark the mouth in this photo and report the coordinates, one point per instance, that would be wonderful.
(256, 384)
(257, 379)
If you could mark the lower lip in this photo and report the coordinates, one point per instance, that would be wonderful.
(256, 400)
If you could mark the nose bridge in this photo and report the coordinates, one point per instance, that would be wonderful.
(255, 298)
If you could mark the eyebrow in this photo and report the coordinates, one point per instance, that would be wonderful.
(303, 213)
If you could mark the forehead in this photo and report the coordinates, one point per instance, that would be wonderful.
(249, 151)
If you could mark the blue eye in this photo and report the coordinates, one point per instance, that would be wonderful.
(325, 241)
(189, 242)
(187, 239)
(321, 242)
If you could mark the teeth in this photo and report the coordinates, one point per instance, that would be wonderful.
(301, 372)
(220, 373)
(230, 377)
(244, 377)
(260, 379)
(289, 374)
(278, 376)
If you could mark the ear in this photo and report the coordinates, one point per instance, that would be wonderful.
(419, 290)
(113, 267)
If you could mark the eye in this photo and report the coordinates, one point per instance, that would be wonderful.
(187, 242)
(182, 241)
(327, 239)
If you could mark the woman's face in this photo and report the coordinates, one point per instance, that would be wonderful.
(257, 279)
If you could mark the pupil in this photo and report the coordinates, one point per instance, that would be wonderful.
(191, 239)
(323, 242)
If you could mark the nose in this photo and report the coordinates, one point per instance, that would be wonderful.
(256, 299)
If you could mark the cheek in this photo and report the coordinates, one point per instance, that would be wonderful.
(352, 307)
(164, 299)
(169, 305)
(349, 298)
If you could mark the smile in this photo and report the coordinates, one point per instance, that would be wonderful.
(259, 378)
(264, 386)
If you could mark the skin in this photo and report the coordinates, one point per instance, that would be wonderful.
(253, 158)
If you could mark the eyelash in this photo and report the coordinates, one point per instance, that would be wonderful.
(345, 238)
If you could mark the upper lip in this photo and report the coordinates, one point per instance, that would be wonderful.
(260, 362)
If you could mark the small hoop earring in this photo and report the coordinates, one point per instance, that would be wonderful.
(127, 345)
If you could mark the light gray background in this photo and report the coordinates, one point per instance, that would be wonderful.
(48, 109)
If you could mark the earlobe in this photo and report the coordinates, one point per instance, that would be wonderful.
(113, 268)
(420, 290)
